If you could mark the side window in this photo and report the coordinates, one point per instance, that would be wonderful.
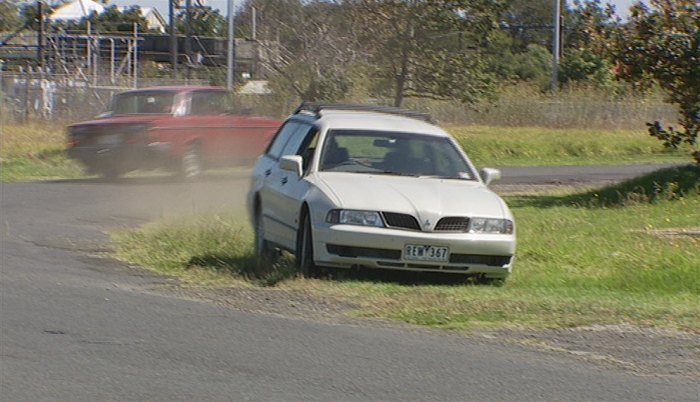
(295, 143)
(302, 143)
(308, 147)
(278, 143)
(207, 103)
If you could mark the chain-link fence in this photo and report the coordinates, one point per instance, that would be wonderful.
(36, 96)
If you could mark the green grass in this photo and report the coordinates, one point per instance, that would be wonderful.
(616, 255)
(34, 152)
(533, 146)
(212, 250)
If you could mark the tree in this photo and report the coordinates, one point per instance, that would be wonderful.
(661, 45)
(309, 44)
(590, 43)
(9, 16)
(510, 63)
(529, 22)
(430, 49)
(30, 15)
(206, 21)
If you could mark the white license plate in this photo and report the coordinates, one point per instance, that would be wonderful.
(426, 253)
(110, 139)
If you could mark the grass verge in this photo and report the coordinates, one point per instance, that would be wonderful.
(534, 146)
(623, 254)
(34, 152)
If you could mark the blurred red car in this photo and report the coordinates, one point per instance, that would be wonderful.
(183, 129)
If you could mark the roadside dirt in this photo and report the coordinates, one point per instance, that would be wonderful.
(643, 351)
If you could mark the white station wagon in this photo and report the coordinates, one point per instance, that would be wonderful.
(348, 186)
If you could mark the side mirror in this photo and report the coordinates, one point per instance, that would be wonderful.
(292, 163)
(489, 175)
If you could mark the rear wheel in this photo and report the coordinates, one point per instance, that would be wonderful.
(191, 163)
(110, 173)
(305, 249)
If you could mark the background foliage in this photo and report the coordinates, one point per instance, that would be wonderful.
(392, 51)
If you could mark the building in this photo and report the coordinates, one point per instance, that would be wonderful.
(78, 9)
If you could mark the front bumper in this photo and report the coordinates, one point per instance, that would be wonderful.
(345, 246)
(126, 157)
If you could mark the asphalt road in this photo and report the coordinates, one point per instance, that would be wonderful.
(78, 326)
(574, 175)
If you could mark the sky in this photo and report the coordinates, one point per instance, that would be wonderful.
(621, 6)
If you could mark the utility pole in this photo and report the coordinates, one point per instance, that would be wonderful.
(173, 38)
(40, 35)
(230, 54)
(136, 55)
(556, 37)
(188, 36)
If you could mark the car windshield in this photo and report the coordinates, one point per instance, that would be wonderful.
(395, 153)
(157, 102)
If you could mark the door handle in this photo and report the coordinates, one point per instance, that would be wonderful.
(268, 172)
(283, 181)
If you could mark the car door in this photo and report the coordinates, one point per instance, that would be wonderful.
(289, 187)
(208, 124)
(266, 181)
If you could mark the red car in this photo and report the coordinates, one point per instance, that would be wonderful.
(183, 129)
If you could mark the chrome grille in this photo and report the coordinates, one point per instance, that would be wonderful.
(452, 224)
(404, 221)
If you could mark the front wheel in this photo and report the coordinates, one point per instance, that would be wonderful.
(496, 282)
(305, 249)
(263, 251)
(191, 164)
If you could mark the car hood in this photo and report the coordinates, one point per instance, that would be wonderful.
(425, 198)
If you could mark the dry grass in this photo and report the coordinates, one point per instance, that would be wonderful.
(34, 151)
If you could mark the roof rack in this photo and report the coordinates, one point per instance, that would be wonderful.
(316, 108)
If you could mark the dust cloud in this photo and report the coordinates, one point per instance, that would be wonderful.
(151, 196)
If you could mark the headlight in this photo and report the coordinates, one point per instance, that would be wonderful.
(490, 225)
(354, 217)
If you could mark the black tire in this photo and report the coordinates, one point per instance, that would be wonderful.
(110, 173)
(191, 167)
(495, 282)
(305, 249)
(263, 251)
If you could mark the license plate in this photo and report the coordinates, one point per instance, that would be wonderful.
(109, 139)
(426, 253)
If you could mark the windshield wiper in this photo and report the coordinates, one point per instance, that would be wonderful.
(393, 173)
(436, 176)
